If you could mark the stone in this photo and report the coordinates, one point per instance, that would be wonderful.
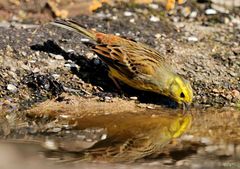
(210, 11)
(154, 19)
(12, 88)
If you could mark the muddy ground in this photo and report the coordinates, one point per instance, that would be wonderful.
(47, 74)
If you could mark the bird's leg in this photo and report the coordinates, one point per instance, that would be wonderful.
(115, 82)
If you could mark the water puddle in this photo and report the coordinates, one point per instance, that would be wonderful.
(76, 134)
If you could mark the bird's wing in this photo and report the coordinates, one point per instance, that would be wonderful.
(130, 58)
(124, 150)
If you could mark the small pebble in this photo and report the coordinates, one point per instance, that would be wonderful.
(81, 137)
(9, 48)
(153, 6)
(66, 126)
(67, 65)
(180, 25)
(56, 76)
(57, 57)
(226, 20)
(193, 14)
(12, 74)
(187, 137)
(132, 20)
(206, 141)
(233, 74)
(215, 90)
(24, 53)
(12, 88)
(36, 70)
(211, 148)
(37, 53)
(236, 93)
(70, 50)
(89, 55)
(150, 107)
(101, 15)
(192, 39)
(85, 40)
(114, 17)
(71, 65)
(50, 144)
(175, 19)
(158, 35)
(133, 98)
(104, 136)
(210, 11)
(154, 19)
(127, 13)
(89, 140)
(107, 98)
(56, 130)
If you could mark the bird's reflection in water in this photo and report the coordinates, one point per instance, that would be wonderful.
(130, 136)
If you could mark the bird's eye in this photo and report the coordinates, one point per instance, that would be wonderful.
(182, 95)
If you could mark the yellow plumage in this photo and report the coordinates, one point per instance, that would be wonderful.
(135, 64)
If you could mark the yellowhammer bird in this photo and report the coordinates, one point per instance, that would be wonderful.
(135, 64)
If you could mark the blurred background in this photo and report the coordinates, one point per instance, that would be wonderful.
(40, 11)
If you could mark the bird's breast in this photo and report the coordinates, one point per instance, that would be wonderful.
(137, 82)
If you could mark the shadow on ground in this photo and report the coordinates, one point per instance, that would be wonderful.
(89, 70)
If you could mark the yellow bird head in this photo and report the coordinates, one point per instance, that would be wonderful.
(180, 90)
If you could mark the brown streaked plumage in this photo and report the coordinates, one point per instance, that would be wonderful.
(135, 64)
(141, 135)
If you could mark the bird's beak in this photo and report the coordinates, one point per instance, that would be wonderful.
(185, 107)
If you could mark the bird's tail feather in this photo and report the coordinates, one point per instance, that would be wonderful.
(74, 26)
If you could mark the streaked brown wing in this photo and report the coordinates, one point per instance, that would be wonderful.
(124, 149)
(130, 58)
(114, 57)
